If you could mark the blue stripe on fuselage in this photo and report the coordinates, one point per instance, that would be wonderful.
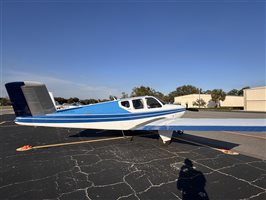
(59, 115)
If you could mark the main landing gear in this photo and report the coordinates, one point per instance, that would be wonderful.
(179, 132)
(166, 136)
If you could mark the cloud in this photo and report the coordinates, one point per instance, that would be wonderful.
(61, 87)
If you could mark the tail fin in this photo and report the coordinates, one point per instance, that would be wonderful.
(29, 98)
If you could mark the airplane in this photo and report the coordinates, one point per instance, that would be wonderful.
(33, 106)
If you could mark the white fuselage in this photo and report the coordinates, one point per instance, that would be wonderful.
(115, 125)
(126, 121)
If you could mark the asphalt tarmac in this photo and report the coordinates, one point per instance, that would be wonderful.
(108, 166)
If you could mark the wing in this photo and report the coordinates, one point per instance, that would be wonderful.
(205, 124)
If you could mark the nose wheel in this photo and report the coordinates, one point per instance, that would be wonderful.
(165, 137)
(164, 143)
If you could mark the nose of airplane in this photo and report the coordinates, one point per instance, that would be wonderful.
(171, 106)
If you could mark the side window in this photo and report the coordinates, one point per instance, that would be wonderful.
(125, 104)
(137, 103)
(153, 103)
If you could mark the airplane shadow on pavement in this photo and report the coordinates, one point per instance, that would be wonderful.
(97, 133)
(189, 139)
(109, 133)
(193, 139)
(191, 182)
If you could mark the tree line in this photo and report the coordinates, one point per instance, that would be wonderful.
(216, 94)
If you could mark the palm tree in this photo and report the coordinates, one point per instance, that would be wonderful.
(217, 96)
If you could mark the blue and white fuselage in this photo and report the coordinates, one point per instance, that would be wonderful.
(33, 106)
(123, 114)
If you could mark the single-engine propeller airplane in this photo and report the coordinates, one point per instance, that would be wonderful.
(33, 106)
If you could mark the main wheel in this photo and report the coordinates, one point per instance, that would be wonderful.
(162, 143)
(179, 132)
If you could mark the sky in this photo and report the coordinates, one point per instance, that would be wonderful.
(93, 49)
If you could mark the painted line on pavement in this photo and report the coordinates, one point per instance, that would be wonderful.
(28, 147)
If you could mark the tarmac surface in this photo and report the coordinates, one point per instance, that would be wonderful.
(108, 166)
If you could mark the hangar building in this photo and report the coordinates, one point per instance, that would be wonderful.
(230, 101)
(255, 99)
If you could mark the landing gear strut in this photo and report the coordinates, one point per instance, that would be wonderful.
(164, 143)
(165, 137)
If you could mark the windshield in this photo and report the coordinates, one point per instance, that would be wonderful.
(153, 103)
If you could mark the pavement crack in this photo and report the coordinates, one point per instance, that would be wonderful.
(259, 179)
(216, 157)
(126, 196)
(112, 184)
(124, 180)
(158, 185)
(254, 196)
(223, 173)
(176, 196)
(249, 163)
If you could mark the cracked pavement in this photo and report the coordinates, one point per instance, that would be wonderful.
(118, 169)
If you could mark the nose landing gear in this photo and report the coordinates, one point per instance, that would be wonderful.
(166, 136)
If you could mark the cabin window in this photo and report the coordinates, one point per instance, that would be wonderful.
(125, 104)
(137, 103)
(153, 103)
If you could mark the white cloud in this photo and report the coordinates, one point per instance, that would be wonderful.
(60, 87)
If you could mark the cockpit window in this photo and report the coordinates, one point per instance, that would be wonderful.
(153, 103)
(125, 104)
(137, 103)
